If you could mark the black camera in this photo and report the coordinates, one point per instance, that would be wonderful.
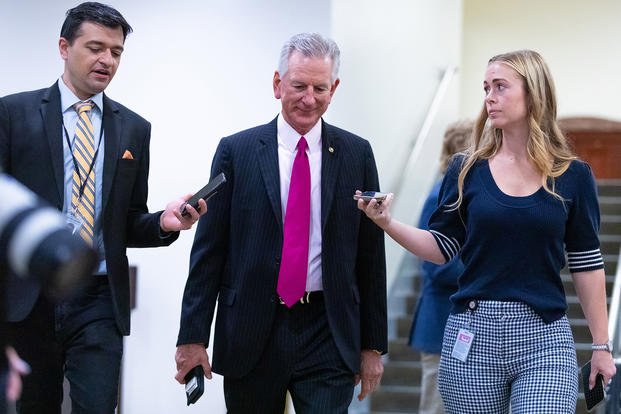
(35, 242)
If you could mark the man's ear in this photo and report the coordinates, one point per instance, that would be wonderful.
(276, 82)
(334, 85)
(63, 46)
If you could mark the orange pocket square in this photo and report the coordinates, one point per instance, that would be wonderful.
(127, 155)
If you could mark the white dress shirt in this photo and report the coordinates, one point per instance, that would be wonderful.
(287, 149)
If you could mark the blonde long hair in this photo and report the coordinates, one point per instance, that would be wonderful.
(547, 147)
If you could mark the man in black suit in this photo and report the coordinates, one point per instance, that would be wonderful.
(81, 338)
(335, 333)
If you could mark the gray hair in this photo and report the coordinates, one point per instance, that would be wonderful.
(310, 45)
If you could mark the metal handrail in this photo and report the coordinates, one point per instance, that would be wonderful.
(417, 173)
(614, 392)
(613, 313)
(423, 134)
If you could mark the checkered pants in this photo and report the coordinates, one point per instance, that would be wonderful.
(516, 360)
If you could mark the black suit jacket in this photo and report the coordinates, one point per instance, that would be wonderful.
(31, 150)
(237, 247)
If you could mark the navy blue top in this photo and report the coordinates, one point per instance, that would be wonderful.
(439, 283)
(513, 247)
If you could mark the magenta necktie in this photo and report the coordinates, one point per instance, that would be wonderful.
(294, 262)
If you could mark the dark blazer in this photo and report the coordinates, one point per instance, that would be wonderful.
(31, 149)
(237, 247)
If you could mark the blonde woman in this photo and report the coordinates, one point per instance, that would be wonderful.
(511, 208)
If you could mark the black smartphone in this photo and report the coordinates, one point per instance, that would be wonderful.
(593, 397)
(194, 384)
(370, 195)
(210, 189)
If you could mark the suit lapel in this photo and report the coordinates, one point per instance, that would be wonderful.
(52, 119)
(112, 124)
(267, 155)
(330, 163)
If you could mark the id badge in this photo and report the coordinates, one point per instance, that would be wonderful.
(194, 384)
(74, 223)
(462, 345)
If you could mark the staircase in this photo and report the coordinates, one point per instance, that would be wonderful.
(400, 388)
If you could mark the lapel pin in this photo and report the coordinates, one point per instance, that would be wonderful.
(330, 149)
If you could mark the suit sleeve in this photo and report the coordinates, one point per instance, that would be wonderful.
(143, 228)
(208, 258)
(371, 271)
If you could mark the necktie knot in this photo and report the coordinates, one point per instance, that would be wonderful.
(302, 144)
(82, 107)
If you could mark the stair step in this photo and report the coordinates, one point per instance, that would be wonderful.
(401, 372)
(399, 350)
(610, 237)
(610, 204)
(608, 188)
(415, 411)
(610, 224)
(400, 399)
(404, 324)
(405, 285)
(609, 244)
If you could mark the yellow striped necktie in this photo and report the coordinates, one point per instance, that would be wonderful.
(83, 189)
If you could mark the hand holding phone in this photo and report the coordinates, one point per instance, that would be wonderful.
(593, 397)
(194, 384)
(205, 193)
(371, 195)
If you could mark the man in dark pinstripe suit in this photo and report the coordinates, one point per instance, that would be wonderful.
(334, 336)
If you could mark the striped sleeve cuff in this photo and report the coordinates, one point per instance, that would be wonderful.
(585, 261)
(448, 245)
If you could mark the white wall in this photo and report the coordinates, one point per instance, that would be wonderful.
(578, 39)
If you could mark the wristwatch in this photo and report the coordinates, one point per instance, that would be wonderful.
(602, 347)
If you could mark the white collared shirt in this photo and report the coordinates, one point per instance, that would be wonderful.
(287, 142)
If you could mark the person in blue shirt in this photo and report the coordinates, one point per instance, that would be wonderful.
(511, 208)
(439, 283)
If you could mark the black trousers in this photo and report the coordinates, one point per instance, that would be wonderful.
(78, 339)
(302, 358)
(3, 383)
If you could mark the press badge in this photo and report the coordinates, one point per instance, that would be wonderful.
(191, 386)
(462, 345)
(74, 223)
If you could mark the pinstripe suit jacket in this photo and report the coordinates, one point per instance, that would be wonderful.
(31, 149)
(237, 247)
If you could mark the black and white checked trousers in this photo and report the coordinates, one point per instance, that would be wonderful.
(516, 362)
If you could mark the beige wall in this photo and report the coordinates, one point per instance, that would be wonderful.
(393, 56)
(580, 40)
